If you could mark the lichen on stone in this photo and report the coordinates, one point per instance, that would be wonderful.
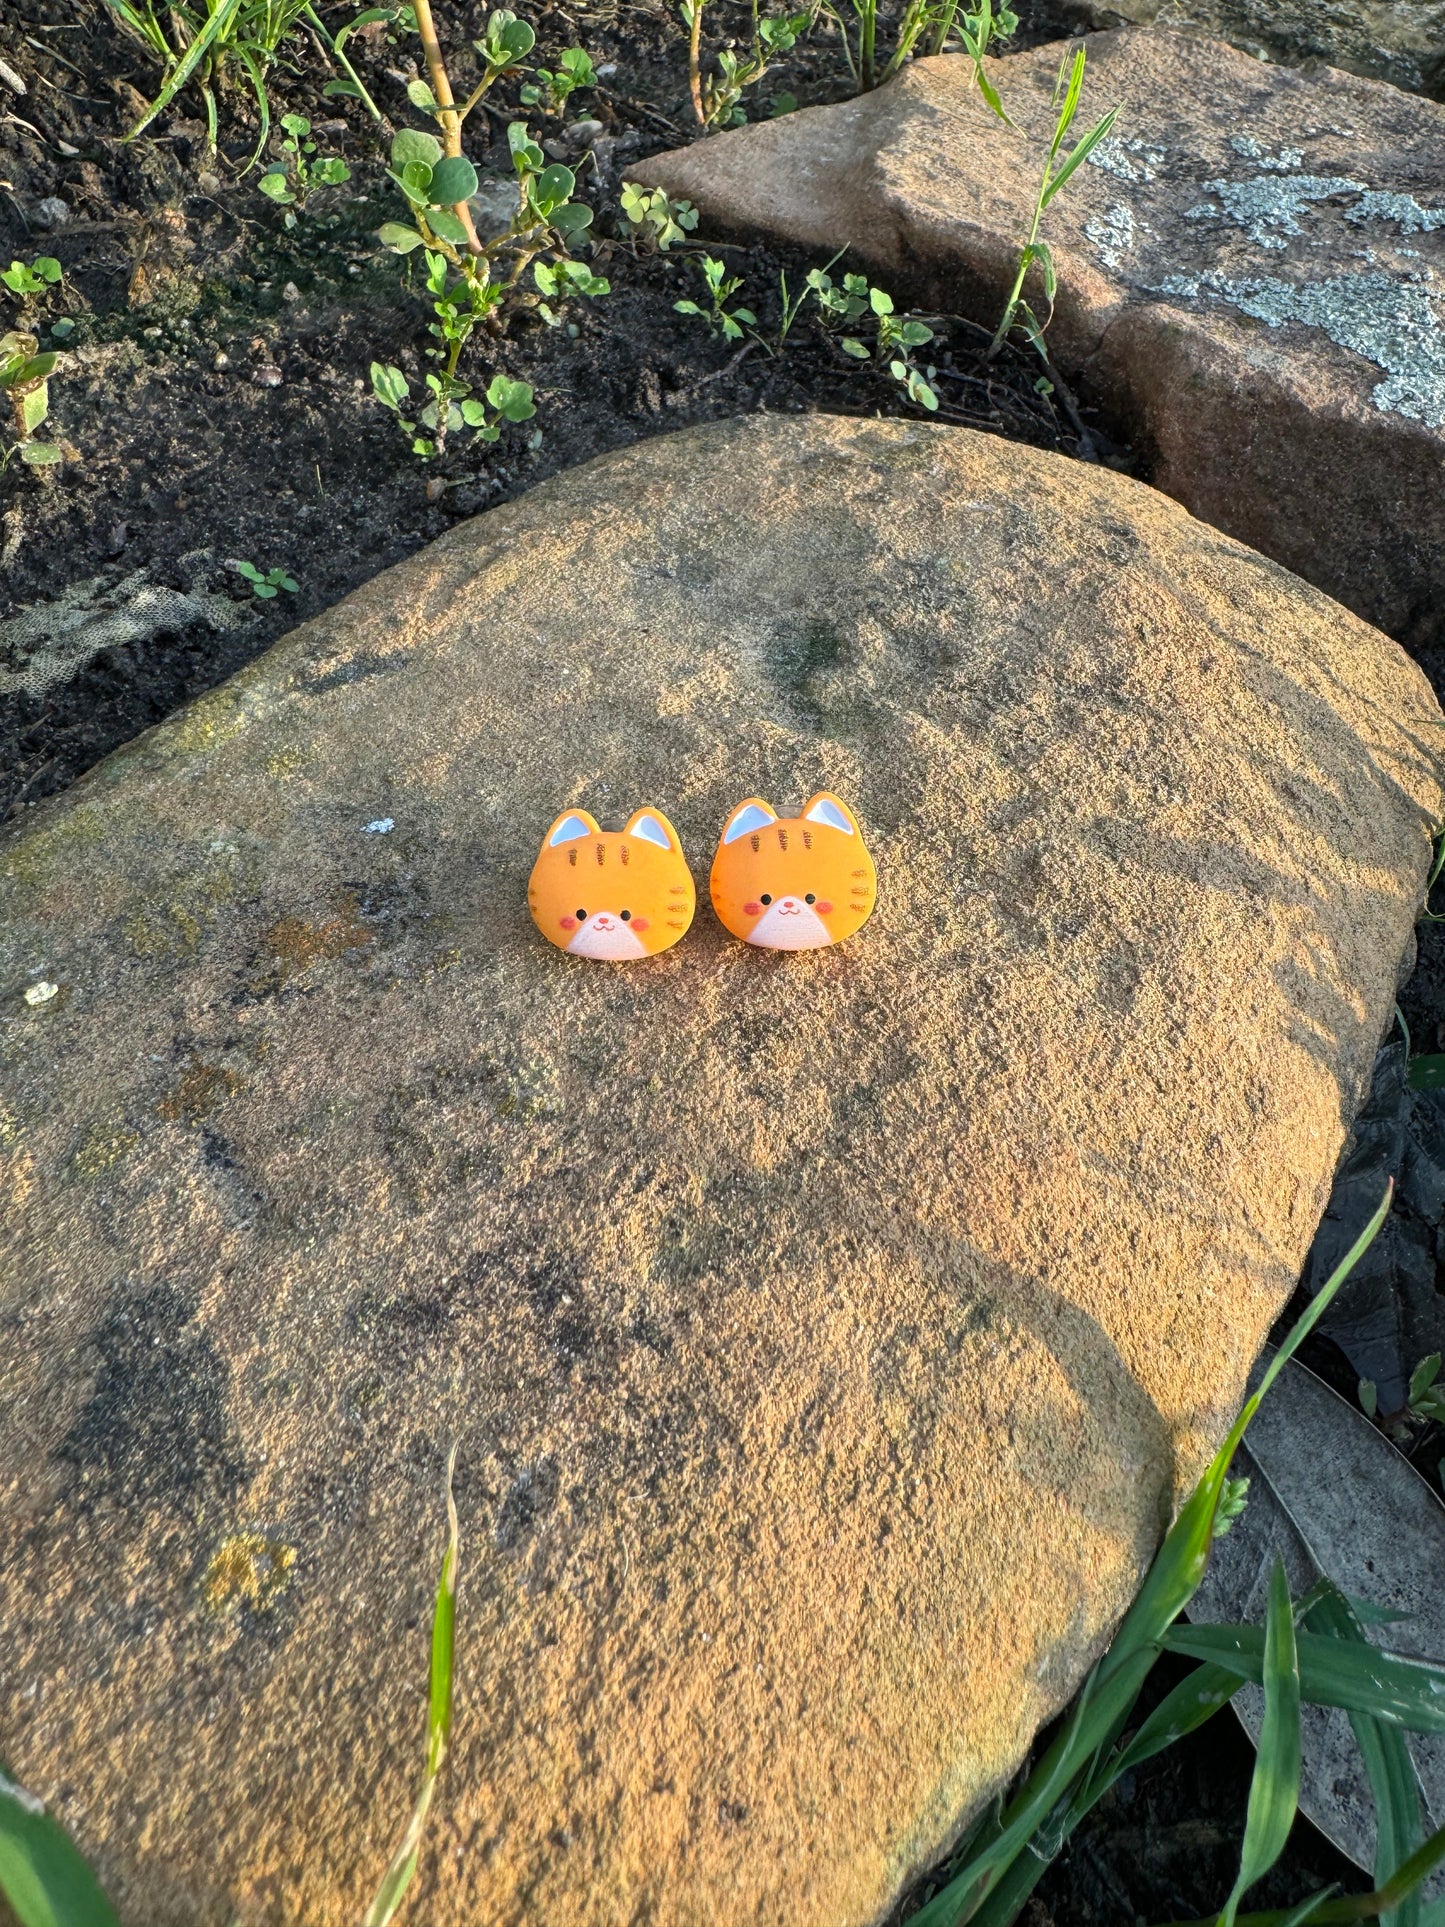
(1375, 204)
(1390, 321)
(247, 1569)
(1127, 158)
(1267, 207)
(1112, 233)
(1283, 161)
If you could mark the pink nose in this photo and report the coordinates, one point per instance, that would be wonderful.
(789, 906)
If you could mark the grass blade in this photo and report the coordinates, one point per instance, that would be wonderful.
(398, 1876)
(1361, 1679)
(1352, 1907)
(1274, 1788)
(214, 28)
(42, 1872)
(1197, 1698)
(1394, 1784)
(1081, 152)
(1071, 100)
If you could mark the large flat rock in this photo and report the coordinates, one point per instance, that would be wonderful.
(1402, 41)
(825, 1336)
(1250, 269)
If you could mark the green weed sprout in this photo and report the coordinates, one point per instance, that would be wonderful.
(268, 585)
(721, 287)
(288, 181)
(27, 282)
(656, 223)
(553, 89)
(895, 338)
(25, 386)
(1054, 176)
(716, 97)
(506, 401)
(398, 1876)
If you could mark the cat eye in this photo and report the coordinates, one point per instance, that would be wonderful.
(764, 899)
(627, 916)
(810, 898)
(581, 916)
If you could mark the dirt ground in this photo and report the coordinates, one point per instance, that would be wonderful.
(217, 402)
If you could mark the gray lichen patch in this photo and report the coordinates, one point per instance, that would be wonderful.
(1403, 210)
(1268, 206)
(1128, 157)
(1390, 321)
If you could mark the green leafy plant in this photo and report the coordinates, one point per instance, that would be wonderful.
(289, 180)
(267, 585)
(1004, 1854)
(895, 336)
(721, 287)
(1056, 173)
(206, 42)
(977, 31)
(27, 282)
(552, 89)
(472, 280)
(716, 98)
(448, 412)
(1425, 1402)
(655, 222)
(25, 384)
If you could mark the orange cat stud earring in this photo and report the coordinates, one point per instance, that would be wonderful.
(793, 882)
(614, 894)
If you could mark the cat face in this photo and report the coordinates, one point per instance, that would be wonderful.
(616, 895)
(793, 882)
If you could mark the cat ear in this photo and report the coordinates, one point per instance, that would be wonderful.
(653, 827)
(751, 815)
(830, 809)
(569, 826)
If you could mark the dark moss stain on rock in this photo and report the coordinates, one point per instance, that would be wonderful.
(155, 1428)
(203, 1088)
(795, 656)
(356, 669)
(296, 944)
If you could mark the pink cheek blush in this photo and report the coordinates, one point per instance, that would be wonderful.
(639, 923)
(824, 909)
(569, 923)
(752, 909)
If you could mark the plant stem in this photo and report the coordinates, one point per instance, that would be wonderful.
(866, 39)
(350, 72)
(944, 27)
(450, 119)
(1025, 261)
(694, 63)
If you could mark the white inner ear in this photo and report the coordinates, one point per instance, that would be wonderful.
(651, 831)
(567, 830)
(754, 817)
(825, 812)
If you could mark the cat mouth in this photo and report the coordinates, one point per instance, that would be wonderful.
(790, 925)
(607, 937)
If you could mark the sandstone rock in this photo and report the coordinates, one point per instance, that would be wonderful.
(1248, 275)
(825, 1335)
(1402, 41)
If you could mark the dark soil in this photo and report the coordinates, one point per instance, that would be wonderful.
(217, 402)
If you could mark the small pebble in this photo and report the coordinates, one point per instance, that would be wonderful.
(382, 826)
(51, 212)
(67, 150)
(41, 993)
(607, 70)
(435, 488)
(222, 360)
(266, 376)
(583, 132)
(151, 334)
(208, 182)
(290, 292)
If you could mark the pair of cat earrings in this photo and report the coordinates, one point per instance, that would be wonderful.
(782, 882)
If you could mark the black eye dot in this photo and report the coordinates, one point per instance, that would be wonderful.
(581, 916)
(810, 898)
(627, 916)
(765, 899)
